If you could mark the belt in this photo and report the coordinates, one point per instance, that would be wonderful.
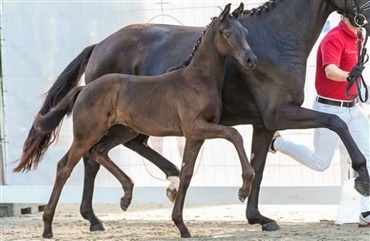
(337, 103)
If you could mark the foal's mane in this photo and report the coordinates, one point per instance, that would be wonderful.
(264, 7)
(187, 62)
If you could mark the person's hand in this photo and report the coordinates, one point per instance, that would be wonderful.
(355, 72)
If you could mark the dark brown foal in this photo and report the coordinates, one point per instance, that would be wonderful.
(185, 102)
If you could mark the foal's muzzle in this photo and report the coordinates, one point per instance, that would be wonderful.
(251, 61)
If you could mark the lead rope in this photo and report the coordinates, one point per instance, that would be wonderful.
(362, 59)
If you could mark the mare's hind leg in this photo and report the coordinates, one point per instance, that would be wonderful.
(86, 209)
(64, 169)
(139, 145)
(116, 136)
(260, 144)
(190, 155)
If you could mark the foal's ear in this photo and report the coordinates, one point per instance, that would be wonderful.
(238, 13)
(225, 12)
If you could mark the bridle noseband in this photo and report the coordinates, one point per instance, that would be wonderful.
(359, 19)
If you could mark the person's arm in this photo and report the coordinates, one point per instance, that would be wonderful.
(334, 73)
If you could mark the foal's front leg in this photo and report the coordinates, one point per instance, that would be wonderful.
(205, 130)
(190, 155)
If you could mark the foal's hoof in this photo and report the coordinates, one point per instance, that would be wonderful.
(242, 195)
(171, 194)
(125, 204)
(47, 235)
(362, 187)
(273, 226)
(186, 235)
(97, 227)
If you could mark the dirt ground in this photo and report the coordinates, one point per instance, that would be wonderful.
(211, 222)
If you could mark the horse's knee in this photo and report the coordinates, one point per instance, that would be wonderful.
(335, 122)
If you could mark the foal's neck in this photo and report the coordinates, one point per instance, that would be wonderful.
(208, 65)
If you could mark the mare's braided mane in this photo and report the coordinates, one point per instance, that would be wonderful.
(264, 7)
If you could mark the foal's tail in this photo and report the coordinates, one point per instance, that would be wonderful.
(44, 125)
(51, 121)
(37, 143)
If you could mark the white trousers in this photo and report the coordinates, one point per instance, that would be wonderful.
(325, 141)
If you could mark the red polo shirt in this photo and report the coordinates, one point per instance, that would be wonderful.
(338, 47)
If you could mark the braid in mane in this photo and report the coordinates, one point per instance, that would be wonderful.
(187, 62)
(266, 7)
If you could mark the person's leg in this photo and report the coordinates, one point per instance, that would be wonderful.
(318, 159)
(359, 127)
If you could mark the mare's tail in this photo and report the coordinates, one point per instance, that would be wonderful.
(37, 143)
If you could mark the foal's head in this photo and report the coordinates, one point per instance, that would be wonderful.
(231, 37)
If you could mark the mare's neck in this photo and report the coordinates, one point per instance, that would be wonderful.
(290, 25)
(208, 65)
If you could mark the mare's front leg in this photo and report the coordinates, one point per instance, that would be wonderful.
(190, 155)
(260, 144)
(296, 117)
(139, 145)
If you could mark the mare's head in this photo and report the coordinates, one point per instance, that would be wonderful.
(358, 11)
(231, 37)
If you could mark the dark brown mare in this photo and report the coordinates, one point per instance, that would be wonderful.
(184, 102)
(283, 33)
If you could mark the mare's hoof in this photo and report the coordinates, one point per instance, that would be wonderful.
(242, 195)
(97, 227)
(47, 235)
(272, 226)
(362, 187)
(186, 235)
(171, 194)
(125, 204)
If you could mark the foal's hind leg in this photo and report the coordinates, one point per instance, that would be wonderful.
(64, 169)
(99, 152)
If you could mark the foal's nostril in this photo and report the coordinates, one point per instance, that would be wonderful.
(251, 62)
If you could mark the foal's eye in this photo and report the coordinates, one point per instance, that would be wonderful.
(227, 35)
